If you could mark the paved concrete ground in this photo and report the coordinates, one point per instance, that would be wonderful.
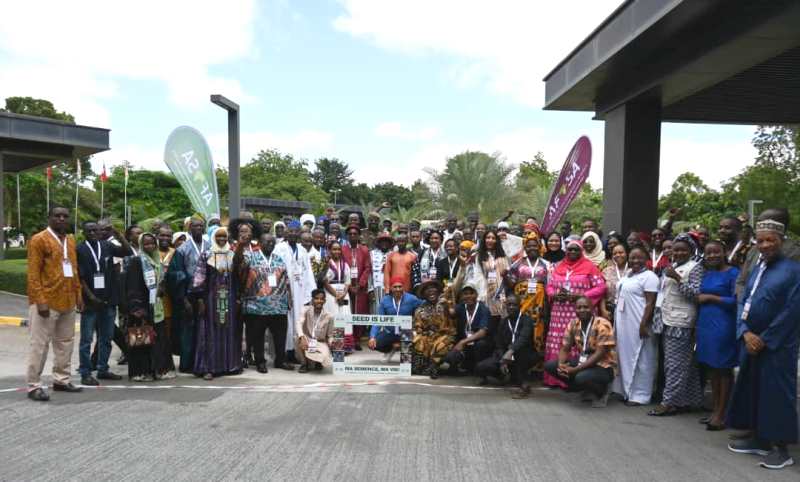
(13, 307)
(266, 427)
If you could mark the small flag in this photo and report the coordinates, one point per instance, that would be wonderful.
(126, 172)
(78, 164)
(49, 173)
(103, 175)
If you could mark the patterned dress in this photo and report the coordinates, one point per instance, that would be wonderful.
(530, 279)
(563, 312)
(434, 335)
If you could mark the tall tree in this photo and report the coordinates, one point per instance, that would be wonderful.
(475, 181)
(272, 174)
(330, 174)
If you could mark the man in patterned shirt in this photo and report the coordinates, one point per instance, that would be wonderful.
(593, 339)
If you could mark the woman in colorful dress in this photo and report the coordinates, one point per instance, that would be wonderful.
(492, 266)
(528, 278)
(337, 284)
(637, 347)
(217, 335)
(575, 275)
(434, 331)
(675, 318)
(716, 329)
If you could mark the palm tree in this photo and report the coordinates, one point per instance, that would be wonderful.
(475, 181)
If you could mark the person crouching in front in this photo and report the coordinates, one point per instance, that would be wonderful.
(593, 370)
(513, 355)
(314, 335)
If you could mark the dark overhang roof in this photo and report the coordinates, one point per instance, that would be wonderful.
(28, 141)
(707, 60)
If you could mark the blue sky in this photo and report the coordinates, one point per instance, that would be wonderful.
(389, 87)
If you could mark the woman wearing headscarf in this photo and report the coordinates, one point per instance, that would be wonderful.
(434, 331)
(554, 250)
(575, 275)
(337, 283)
(308, 221)
(179, 238)
(593, 249)
(149, 355)
(218, 350)
(675, 317)
(528, 278)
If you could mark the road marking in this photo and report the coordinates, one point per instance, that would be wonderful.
(12, 321)
(309, 387)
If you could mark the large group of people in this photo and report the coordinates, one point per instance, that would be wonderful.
(649, 317)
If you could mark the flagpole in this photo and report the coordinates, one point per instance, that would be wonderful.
(19, 208)
(77, 188)
(125, 205)
(47, 176)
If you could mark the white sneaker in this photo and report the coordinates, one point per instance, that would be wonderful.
(387, 358)
(168, 376)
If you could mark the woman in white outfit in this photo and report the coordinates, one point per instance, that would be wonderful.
(637, 347)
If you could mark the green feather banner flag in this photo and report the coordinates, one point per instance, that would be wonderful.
(188, 157)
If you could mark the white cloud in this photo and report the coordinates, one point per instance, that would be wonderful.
(78, 51)
(397, 130)
(507, 46)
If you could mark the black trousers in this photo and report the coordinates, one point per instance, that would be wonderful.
(595, 379)
(471, 355)
(523, 362)
(256, 330)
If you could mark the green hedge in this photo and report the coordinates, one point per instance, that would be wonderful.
(16, 253)
(14, 275)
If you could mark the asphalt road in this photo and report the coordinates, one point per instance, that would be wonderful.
(285, 425)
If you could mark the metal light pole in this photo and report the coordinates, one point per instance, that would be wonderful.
(234, 200)
(751, 204)
(335, 195)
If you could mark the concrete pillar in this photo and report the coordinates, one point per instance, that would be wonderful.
(630, 174)
(2, 209)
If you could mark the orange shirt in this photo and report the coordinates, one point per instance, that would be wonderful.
(398, 264)
(46, 281)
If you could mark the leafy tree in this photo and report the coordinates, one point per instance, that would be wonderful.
(330, 174)
(475, 181)
(151, 194)
(395, 194)
(272, 174)
(778, 147)
(699, 203)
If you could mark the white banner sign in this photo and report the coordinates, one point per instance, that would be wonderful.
(343, 325)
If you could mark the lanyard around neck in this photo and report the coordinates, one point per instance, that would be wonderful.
(194, 245)
(586, 335)
(97, 256)
(397, 305)
(62, 243)
(514, 329)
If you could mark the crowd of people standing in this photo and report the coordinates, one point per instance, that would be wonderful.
(652, 317)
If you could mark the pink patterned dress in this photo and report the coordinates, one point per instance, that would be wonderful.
(562, 313)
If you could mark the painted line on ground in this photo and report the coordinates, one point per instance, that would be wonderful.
(309, 387)
(13, 321)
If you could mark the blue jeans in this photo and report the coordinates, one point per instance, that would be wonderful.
(103, 320)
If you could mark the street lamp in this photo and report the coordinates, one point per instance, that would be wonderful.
(233, 153)
(335, 195)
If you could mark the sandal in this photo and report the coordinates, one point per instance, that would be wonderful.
(715, 428)
(303, 369)
(208, 377)
(630, 403)
(522, 393)
(704, 420)
(662, 411)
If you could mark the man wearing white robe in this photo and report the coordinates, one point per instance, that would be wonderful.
(301, 277)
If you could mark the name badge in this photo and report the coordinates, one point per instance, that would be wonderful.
(99, 281)
(67, 267)
(150, 278)
(492, 276)
(354, 272)
(272, 280)
(531, 287)
(432, 272)
(745, 311)
(153, 296)
(621, 304)
(583, 359)
(312, 345)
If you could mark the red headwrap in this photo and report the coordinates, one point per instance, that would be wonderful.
(582, 265)
(396, 280)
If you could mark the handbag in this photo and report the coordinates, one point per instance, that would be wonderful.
(139, 336)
